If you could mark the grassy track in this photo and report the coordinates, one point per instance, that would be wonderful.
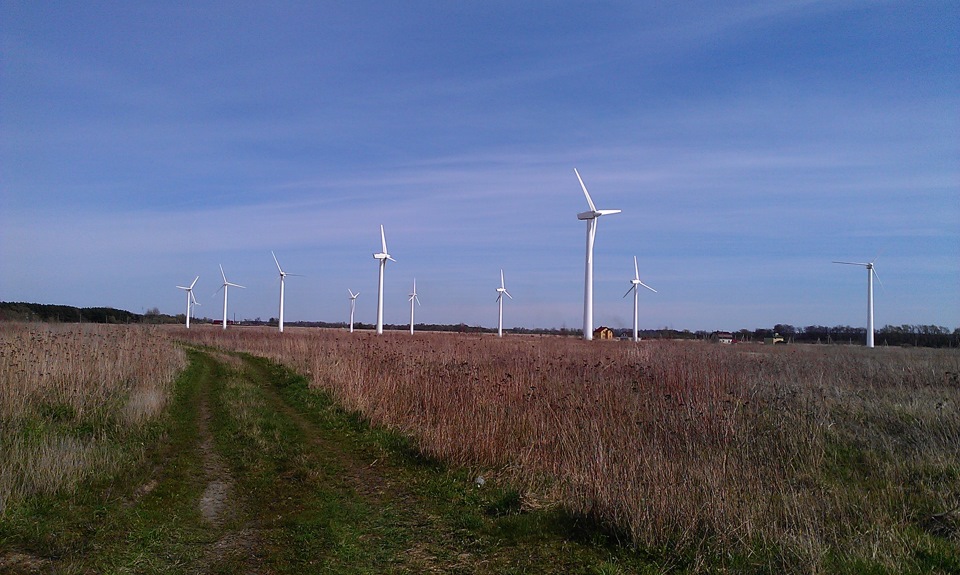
(257, 474)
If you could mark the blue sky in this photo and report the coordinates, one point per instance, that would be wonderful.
(747, 143)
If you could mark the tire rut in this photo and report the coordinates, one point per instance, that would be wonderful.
(216, 496)
(218, 504)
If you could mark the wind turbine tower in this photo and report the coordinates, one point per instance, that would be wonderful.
(500, 293)
(383, 256)
(283, 276)
(634, 288)
(870, 274)
(190, 297)
(590, 216)
(225, 287)
(353, 306)
(413, 298)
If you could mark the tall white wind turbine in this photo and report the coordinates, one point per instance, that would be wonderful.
(353, 306)
(501, 291)
(283, 276)
(193, 308)
(225, 287)
(870, 274)
(190, 298)
(634, 288)
(413, 298)
(590, 216)
(383, 256)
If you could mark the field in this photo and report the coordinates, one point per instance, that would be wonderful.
(694, 456)
(812, 456)
(73, 398)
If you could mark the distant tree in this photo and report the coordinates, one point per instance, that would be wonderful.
(785, 329)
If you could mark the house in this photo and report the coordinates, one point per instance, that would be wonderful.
(603, 333)
(722, 337)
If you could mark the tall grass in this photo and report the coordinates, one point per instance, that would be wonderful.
(70, 398)
(803, 458)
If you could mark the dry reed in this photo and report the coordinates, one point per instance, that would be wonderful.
(815, 452)
(69, 397)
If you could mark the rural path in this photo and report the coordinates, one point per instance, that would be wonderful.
(259, 474)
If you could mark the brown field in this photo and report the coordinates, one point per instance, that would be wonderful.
(70, 395)
(806, 453)
(802, 455)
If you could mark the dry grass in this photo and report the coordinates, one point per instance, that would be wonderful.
(804, 456)
(69, 397)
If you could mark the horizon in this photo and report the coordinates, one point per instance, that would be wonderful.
(749, 145)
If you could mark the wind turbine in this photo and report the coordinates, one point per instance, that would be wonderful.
(225, 287)
(383, 256)
(870, 273)
(283, 275)
(500, 293)
(189, 291)
(353, 306)
(413, 298)
(590, 216)
(634, 288)
(195, 304)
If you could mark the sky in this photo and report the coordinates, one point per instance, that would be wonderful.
(748, 145)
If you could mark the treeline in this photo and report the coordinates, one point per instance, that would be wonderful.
(22, 311)
(897, 335)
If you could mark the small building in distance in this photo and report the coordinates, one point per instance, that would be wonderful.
(722, 337)
(777, 338)
(603, 333)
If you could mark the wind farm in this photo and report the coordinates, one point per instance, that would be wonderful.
(590, 217)
(747, 411)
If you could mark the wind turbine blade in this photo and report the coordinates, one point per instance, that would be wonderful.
(416, 299)
(636, 270)
(276, 262)
(349, 291)
(876, 275)
(608, 212)
(223, 274)
(648, 287)
(585, 192)
(630, 290)
(499, 295)
(508, 294)
(181, 287)
(391, 259)
(501, 279)
(383, 240)
(235, 285)
(851, 263)
(194, 282)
